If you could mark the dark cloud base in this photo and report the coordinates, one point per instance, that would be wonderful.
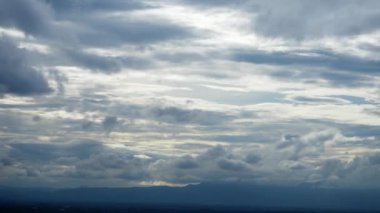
(16, 75)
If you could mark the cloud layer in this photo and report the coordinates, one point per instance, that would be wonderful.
(132, 93)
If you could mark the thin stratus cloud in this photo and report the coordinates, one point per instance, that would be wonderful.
(149, 92)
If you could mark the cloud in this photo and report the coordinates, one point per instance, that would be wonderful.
(186, 116)
(169, 114)
(72, 6)
(31, 16)
(299, 19)
(310, 66)
(40, 152)
(314, 144)
(316, 58)
(217, 163)
(318, 100)
(71, 161)
(58, 163)
(16, 75)
(252, 158)
(109, 123)
(60, 80)
(120, 30)
(186, 162)
(260, 102)
(231, 165)
(106, 64)
(374, 159)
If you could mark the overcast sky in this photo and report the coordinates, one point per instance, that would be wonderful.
(173, 92)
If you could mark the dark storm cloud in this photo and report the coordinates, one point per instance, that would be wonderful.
(16, 74)
(31, 16)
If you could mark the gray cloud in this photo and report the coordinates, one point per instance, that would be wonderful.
(338, 69)
(319, 59)
(106, 64)
(37, 151)
(252, 158)
(71, 160)
(297, 19)
(73, 6)
(318, 100)
(231, 165)
(31, 16)
(186, 162)
(16, 75)
(186, 116)
(121, 30)
(60, 80)
(217, 163)
(191, 70)
(109, 123)
(374, 159)
(75, 160)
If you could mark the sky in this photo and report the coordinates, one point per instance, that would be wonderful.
(123, 93)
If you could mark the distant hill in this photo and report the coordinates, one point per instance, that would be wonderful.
(209, 194)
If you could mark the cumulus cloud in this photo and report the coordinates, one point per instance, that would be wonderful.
(73, 160)
(314, 144)
(217, 163)
(64, 161)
